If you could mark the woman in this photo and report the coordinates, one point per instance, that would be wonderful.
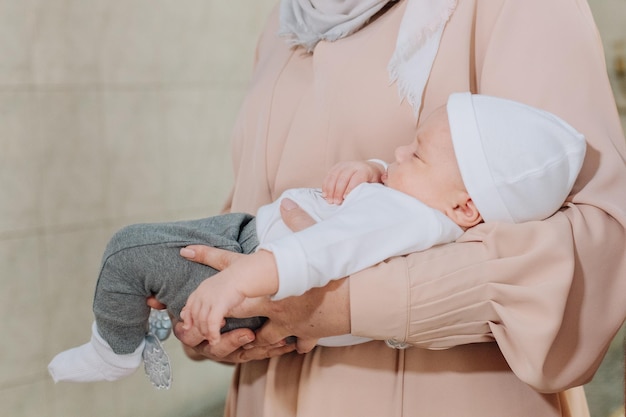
(501, 322)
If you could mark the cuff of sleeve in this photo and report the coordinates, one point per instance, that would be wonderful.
(379, 314)
(379, 162)
(291, 265)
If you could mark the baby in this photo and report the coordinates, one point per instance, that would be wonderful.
(477, 159)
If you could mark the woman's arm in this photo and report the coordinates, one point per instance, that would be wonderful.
(550, 293)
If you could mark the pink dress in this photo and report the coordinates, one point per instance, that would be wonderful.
(508, 317)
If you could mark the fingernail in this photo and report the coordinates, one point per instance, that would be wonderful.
(187, 253)
(288, 204)
(245, 339)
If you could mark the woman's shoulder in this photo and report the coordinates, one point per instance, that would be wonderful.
(269, 31)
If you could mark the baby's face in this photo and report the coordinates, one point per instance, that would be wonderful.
(427, 168)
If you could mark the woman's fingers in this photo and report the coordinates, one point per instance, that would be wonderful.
(154, 303)
(219, 259)
(271, 335)
(229, 349)
(306, 345)
(264, 352)
(294, 217)
(229, 343)
(196, 347)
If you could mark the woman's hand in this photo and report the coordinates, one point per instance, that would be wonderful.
(318, 313)
(228, 350)
(232, 347)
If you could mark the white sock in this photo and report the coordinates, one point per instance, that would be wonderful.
(94, 361)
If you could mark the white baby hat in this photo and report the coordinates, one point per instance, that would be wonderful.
(518, 163)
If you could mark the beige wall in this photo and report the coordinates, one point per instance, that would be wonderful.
(605, 393)
(111, 111)
(610, 16)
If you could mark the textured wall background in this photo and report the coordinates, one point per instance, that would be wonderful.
(606, 392)
(111, 111)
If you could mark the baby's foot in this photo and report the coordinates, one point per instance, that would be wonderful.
(94, 361)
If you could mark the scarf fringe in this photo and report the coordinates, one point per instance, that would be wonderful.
(408, 47)
(416, 47)
(405, 63)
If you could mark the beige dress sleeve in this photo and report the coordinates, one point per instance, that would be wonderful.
(550, 293)
(506, 315)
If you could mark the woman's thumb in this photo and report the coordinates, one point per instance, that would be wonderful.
(294, 217)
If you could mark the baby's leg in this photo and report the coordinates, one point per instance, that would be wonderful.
(143, 260)
(94, 361)
(139, 261)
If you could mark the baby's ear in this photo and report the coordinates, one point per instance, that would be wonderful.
(465, 213)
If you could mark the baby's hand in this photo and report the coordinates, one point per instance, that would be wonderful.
(208, 305)
(345, 176)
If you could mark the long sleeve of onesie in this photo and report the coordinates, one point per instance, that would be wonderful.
(372, 224)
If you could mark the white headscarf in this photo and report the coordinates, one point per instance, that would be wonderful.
(306, 22)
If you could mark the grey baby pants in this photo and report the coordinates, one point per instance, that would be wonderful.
(143, 260)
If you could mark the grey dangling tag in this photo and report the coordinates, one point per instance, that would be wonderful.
(155, 360)
(160, 324)
(156, 363)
